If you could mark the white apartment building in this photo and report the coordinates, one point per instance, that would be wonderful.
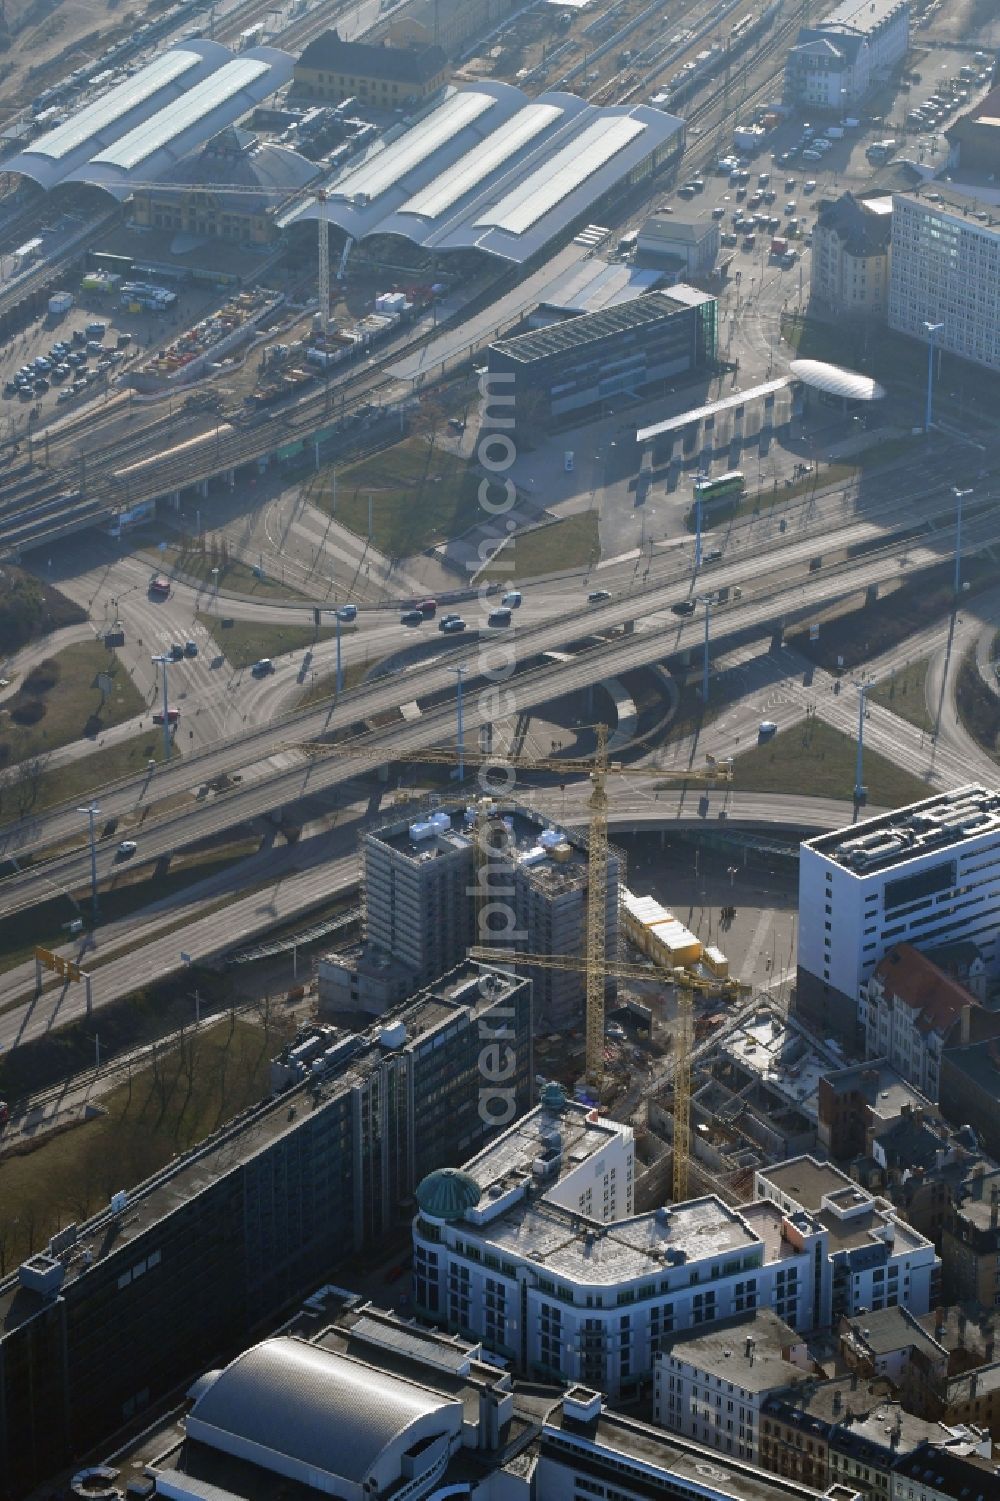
(835, 63)
(877, 1261)
(925, 874)
(534, 1249)
(946, 269)
(711, 1387)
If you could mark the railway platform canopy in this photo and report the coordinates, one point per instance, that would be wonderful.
(137, 130)
(698, 415)
(490, 169)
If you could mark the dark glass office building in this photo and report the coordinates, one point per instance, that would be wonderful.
(563, 374)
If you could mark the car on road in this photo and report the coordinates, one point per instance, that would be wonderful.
(262, 668)
(452, 626)
(809, 186)
(190, 648)
(766, 729)
(713, 555)
(176, 652)
(427, 608)
(499, 617)
(173, 717)
(512, 598)
(597, 596)
(40, 386)
(685, 607)
(126, 849)
(412, 617)
(347, 612)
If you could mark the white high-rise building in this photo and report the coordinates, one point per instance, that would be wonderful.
(945, 268)
(534, 1248)
(926, 874)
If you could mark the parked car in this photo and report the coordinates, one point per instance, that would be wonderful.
(498, 617)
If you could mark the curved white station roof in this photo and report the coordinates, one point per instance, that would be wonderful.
(329, 1414)
(490, 169)
(834, 380)
(106, 119)
(165, 110)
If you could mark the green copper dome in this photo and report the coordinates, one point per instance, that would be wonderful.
(447, 1193)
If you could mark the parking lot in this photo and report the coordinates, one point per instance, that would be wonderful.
(93, 372)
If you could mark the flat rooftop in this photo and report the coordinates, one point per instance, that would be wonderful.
(603, 1255)
(676, 1458)
(508, 1160)
(723, 1351)
(944, 822)
(576, 333)
(525, 829)
(859, 15)
(150, 1202)
(807, 1182)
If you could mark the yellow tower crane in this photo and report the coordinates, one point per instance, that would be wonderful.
(597, 769)
(687, 984)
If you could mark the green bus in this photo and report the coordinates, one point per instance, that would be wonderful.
(732, 483)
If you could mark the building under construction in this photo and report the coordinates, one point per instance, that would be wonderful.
(428, 900)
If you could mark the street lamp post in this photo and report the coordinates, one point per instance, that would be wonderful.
(92, 813)
(933, 329)
(697, 523)
(163, 661)
(460, 724)
(959, 497)
(860, 791)
(340, 674)
(706, 601)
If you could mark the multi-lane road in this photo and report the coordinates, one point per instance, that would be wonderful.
(275, 772)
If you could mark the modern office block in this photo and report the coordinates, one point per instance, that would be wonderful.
(561, 374)
(123, 1307)
(946, 269)
(925, 874)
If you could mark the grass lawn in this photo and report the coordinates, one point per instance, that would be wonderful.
(168, 1107)
(59, 701)
(246, 641)
(978, 707)
(128, 890)
(819, 761)
(571, 543)
(420, 497)
(905, 693)
(234, 577)
(864, 631)
(322, 690)
(76, 779)
(30, 609)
